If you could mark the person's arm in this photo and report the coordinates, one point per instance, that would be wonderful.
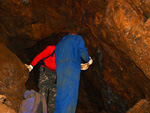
(84, 54)
(83, 50)
(45, 53)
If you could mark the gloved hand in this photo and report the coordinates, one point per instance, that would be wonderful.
(84, 66)
(29, 67)
(90, 61)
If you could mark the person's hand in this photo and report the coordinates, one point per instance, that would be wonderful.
(29, 67)
(90, 61)
(84, 66)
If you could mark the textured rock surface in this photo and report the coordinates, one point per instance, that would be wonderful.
(119, 28)
(13, 76)
(5, 109)
(142, 106)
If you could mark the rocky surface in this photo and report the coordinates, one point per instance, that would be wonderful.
(120, 29)
(142, 106)
(13, 76)
(5, 109)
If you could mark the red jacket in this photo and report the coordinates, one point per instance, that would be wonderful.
(50, 61)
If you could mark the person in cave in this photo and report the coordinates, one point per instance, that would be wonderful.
(47, 79)
(68, 54)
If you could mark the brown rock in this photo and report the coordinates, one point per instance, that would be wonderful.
(13, 76)
(5, 109)
(143, 106)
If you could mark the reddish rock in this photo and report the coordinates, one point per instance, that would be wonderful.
(143, 106)
(13, 76)
(119, 28)
(5, 109)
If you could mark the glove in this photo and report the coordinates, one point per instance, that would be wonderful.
(85, 66)
(90, 61)
(29, 67)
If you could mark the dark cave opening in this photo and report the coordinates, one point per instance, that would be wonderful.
(90, 98)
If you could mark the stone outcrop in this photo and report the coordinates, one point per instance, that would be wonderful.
(5, 109)
(143, 106)
(13, 76)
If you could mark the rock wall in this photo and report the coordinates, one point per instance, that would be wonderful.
(13, 76)
(119, 28)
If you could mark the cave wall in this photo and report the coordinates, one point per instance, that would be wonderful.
(13, 76)
(118, 28)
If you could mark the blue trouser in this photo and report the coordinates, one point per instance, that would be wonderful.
(68, 77)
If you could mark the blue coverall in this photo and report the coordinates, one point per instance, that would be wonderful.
(68, 54)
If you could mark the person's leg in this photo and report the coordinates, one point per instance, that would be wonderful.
(43, 88)
(52, 91)
(59, 72)
(52, 99)
(70, 86)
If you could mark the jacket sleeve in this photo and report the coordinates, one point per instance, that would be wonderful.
(46, 52)
(83, 50)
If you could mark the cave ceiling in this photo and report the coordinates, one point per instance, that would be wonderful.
(119, 28)
(123, 24)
